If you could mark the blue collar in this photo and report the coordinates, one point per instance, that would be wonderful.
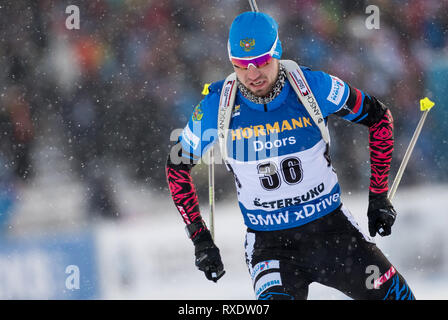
(274, 104)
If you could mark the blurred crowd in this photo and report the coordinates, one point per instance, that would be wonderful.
(120, 84)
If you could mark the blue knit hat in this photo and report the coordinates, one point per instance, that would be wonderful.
(252, 34)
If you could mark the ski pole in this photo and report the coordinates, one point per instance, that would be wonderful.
(425, 106)
(211, 192)
(253, 5)
(211, 199)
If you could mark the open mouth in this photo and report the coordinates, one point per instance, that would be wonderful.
(258, 84)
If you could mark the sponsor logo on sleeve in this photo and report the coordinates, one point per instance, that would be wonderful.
(184, 214)
(337, 90)
(190, 137)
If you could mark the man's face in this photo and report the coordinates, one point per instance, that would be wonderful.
(258, 80)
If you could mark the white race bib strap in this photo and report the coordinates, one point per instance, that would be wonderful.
(226, 103)
(300, 85)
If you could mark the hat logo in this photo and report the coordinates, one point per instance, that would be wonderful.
(247, 44)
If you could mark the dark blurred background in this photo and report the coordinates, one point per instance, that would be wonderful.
(108, 96)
